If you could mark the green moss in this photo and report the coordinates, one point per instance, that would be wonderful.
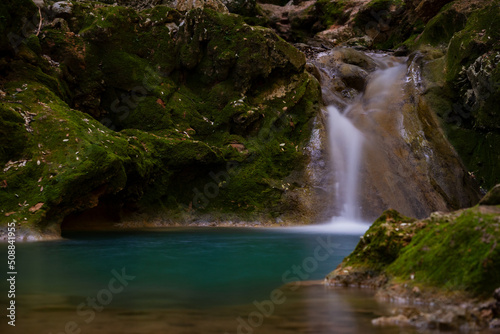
(13, 134)
(481, 34)
(454, 253)
(332, 11)
(383, 242)
(123, 70)
(479, 151)
(441, 28)
(149, 115)
(172, 95)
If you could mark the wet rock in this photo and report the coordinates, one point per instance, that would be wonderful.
(364, 42)
(354, 76)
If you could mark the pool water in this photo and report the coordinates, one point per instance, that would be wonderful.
(188, 280)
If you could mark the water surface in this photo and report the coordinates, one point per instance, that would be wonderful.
(197, 280)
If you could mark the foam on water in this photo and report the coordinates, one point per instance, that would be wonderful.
(338, 225)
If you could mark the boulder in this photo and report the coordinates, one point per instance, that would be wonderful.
(492, 198)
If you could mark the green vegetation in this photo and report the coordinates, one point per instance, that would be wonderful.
(464, 90)
(383, 241)
(454, 253)
(332, 11)
(188, 100)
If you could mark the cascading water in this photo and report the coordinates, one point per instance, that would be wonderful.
(346, 145)
(385, 144)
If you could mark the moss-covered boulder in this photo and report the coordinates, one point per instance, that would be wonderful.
(212, 114)
(455, 251)
(379, 247)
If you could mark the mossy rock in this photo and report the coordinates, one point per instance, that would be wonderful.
(454, 252)
(382, 243)
(479, 151)
(173, 105)
(481, 34)
(441, 28)
(465, 92)
(332, 11)
(375, 12)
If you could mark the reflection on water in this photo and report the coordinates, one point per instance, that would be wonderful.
(202, 280)
(310, 309)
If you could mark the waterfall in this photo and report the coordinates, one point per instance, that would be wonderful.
(349, 154)
(346, 144)
(384, 144)
(351, 137)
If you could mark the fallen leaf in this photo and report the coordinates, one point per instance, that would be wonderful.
(36, 207)
(9, 213)
(161, 103)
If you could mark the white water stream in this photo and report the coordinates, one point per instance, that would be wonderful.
(347, 144)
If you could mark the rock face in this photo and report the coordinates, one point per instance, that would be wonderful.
(407, 163)
(201, 116)
(462, 79)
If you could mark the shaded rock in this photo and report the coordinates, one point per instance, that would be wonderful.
(353, 76)
(427, 9)
(464, 88)
(492, 198)
(241, 7)
(19, 18)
